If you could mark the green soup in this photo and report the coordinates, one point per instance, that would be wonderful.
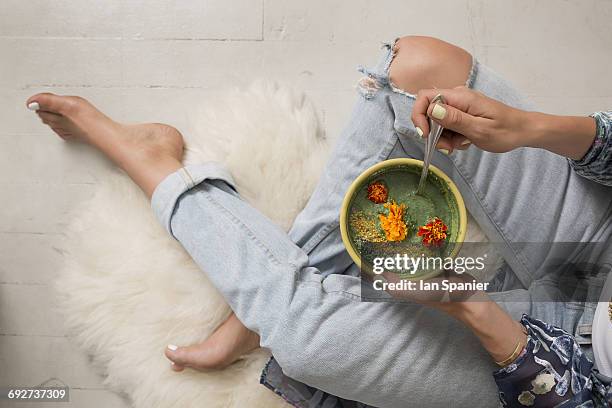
(436, 200)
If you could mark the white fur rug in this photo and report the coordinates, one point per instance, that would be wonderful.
(128, 289)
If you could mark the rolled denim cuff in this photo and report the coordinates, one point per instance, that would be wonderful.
(168, 192)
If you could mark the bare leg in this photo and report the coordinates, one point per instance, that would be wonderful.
(147, 153)
(426, 62)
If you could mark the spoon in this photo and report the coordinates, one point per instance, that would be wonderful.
(435, 131)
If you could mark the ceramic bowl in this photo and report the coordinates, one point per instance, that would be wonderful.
(440, 198)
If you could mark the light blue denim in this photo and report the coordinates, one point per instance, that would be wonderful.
(301, 292)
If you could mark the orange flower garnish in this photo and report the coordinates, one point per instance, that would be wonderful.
(393, 224)
(433, 233)
(377, 192)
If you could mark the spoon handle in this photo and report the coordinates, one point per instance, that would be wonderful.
(435, 131)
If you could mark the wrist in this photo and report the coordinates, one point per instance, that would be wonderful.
(472, 313)
(499, 334)
(569, 136)
(469, 311)
(535, 129)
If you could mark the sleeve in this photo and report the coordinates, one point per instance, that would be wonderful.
(552, 371)
(596, 164)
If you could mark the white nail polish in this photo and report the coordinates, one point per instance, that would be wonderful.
(419, 131)
(172, 347)
(33, 106)
(465, 143)
(172, 363)
(438, 112)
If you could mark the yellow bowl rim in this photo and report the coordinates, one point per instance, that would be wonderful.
(390, 163)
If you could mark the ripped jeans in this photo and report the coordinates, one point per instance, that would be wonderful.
(301, 292)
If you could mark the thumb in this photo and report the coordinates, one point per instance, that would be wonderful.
(452, 118)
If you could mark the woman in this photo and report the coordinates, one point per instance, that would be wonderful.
(300, 293)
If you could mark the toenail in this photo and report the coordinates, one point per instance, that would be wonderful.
(172, 347)
(33, 106)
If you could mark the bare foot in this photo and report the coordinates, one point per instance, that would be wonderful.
(147, 152)
(230, 341)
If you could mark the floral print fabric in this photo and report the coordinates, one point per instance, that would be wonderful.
(596, 164)
(552, 371)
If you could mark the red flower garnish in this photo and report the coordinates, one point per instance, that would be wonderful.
(433, 233)
(377, 192)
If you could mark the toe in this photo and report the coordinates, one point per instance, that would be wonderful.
(178, 356)
(203, 356)
(49, 118)
(48, 102)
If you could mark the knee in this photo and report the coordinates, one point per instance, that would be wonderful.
(303, 359)
(297, 362)
(426, 62)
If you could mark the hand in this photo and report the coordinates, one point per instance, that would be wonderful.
(470, 117)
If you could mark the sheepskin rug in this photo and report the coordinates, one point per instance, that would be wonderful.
(128, 289)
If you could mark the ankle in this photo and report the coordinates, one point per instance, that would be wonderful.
(149, 173)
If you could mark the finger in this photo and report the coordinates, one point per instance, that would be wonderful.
(176, 367)
(459, 141)
(445, 145)
(460, 97)
(463, 99)
(463, 145)
(454, 119)
(419, 110)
